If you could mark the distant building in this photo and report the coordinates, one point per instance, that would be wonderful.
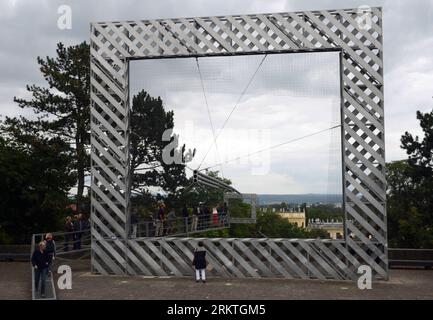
(295, 216)
(335, 229)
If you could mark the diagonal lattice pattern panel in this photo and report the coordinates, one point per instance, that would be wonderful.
(114, 44)
(256, 258)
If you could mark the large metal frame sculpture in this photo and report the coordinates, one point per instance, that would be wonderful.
(115, 44)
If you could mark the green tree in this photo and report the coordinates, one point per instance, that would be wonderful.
(420, 160)
(268, 224)
(150, 123)
(36, 177)
(324, 212)
(63, 109)
(62, 114)
(408, 226)
(410, 189)
(197, 193)
(272, 225)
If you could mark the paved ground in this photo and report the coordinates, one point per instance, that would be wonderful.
(403, 284)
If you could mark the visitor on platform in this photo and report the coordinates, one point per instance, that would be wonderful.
(207, 218)
(201, 216)
(85, 224)
(171, 222)
(76, 237)
(160, 220)
(199, 262)
(50, 249)
(69, 229)
(220, 214)
(215, 216)
(224, 213)
(40, 263)
(185, 215)
(134, 224)
(195, 214)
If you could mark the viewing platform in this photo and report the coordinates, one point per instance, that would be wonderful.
(403, 284)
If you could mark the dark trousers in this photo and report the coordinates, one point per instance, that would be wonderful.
(185, 222)
(40, 276)
(77, 241)
(68, 238)
(50, 262)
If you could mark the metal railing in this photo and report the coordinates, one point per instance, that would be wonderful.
(180, 226)
(401, 258)
(68, 242)
(50, 290)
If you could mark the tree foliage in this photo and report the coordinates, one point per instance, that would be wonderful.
(410, 190)
(61, 110)
(324, 212)
(58, 132)
(268, 224)
(36, 177)
(152, 143)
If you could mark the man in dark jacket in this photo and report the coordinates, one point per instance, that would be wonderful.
(40, 261)
(50, 249)
(160, 220)
(185, 215)
(69, 229)
(77, 234)
(200, 263)
(80, 225)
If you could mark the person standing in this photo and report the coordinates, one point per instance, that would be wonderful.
(50, 249)
(220, 214)
(76, 236)
(82, 226)
(201, 216)
(195, 214)
(199, 262)
(69, 229)
(160, 220)
(215, 216)
(171, 219)
(40, 263)
(85, 222)
(134, 224)
(207, 218)
(225, 213)
(185, 215)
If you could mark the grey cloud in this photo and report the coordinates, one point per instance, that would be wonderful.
(29, 30)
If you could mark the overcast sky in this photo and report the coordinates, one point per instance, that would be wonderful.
(291, 95)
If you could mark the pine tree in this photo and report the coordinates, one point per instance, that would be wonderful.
(63, 109)
(420, 161)
(410, 189)
(149, 123)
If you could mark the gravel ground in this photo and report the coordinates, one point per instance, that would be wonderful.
(403, 284)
